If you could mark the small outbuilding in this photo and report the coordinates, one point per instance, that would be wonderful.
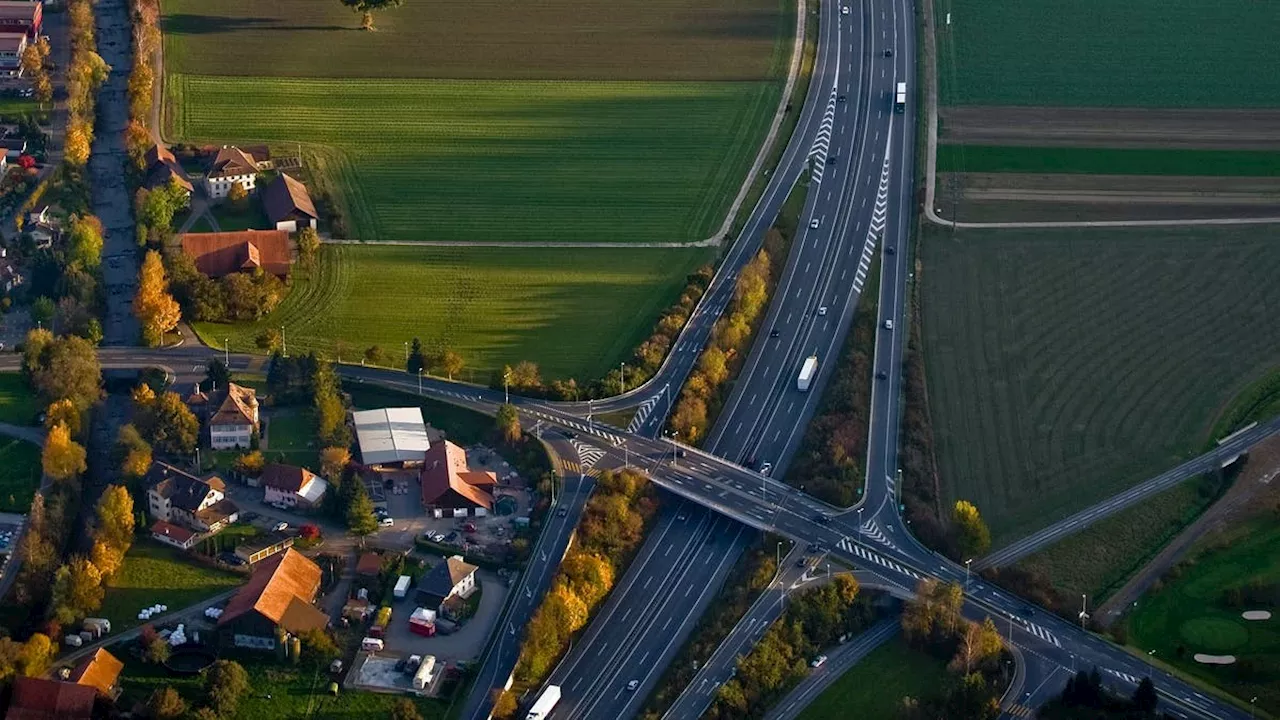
(288, 204)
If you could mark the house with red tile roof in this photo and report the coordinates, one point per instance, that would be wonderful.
(99, 671)
(448, 483)
(21, 16)
(292, 485)
(232, 166)
(163, 167)
(40, 699)
(288, 204)
(279, 595)
(235, 421)
(222, 253)
(175, 535)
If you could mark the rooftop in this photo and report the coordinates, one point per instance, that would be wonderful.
(285, 195)
(446, 478)
(222, 253)
(391, 435)
(281, 589)
(99, 671)
(40, 699)
(238, 406)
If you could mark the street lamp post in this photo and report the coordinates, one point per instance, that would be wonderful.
(1083, 607)
(506, 392)
(859, 521)
(226, 352)
(419, 381)
(675, 457)
(622, 378)
(284, 346)
(1252, 700)
(406, 354)
(966, 574)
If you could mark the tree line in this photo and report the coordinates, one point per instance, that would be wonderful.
(85, 75)
(608, 535)
(705, 391)
(145, 16)
(812, 621)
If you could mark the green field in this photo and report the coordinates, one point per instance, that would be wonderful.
(875, 687)
(481, 39)
(1189, 614)
(154, 573)
(19, 474)
(18, 403)
(1097, 53)
(574, 311)
(1107, 161)
(538, 161)
(1098, 561)
(1258, 402)
(1066, 365)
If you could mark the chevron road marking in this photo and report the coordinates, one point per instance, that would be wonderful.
(879, 216)
(1123, 676)
(847, 545)
(588, 454)
(642, 414)
(871, 530)
(822, 143)
(1021, 711)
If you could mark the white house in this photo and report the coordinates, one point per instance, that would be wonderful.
(293, 486)
(170, 534)
(236, 420)
(452, 578)
(185, 500)
(231, 165)
(11, 46)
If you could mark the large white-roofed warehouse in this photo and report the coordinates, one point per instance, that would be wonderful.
(391, 437)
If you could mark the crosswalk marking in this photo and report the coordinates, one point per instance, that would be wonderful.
(1021, 711)
(1041, 633)
(1123, 676)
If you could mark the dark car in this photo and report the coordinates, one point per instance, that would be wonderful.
(451, 537)
(774, 333)
(822, 519)
(814, 547)
(890, 250)
(679, 453)
(881, 375)
(563, 511)
(570, 435)
(802, 562)
(231, 558)
(840, 98)
(888, 52)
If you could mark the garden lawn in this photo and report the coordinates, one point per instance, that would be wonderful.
(1067, 365)
(230, 217)
(1098, 561)
(495, 39)
(875, 687)
(155, 573)
(1189, 614)
(18, 403)
(1107, 161)
(1099, 53)
(291, 438)
(295, 691)
(575, 312)
(561, 161)
(20, 474)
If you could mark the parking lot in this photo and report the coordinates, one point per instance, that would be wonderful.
(466, 642)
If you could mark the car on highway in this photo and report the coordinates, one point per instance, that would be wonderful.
(822, 519)
(890, 250)
(881, 375)
(888, 324)
(681, 516)
(840, 98)
(888, 52)
(822, 311)
(569, 435)
(813, 224)
(802, 562)
(631, 686)
(844, 10)
(818, 661)
(774, 333)
(766, 468)
(562, 512)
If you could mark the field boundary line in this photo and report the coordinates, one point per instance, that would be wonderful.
(519, 244)
(793, 72)
(931, 166)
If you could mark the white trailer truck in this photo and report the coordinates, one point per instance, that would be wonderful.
(545, 704)
(807, 371)
(900, 98)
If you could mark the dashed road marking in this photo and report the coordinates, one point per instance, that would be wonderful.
(1041, 633)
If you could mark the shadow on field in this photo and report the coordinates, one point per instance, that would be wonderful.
(190, 24)
(757, 25)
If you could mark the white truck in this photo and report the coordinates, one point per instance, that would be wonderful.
(900, 98)
(402, 587)
(807, 371)
(545, 704)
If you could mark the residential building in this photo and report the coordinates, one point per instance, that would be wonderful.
(11, 46)
(369, 565)
(183, 499)
(262, 548)
(175, 535)
(221, 253)
(451, 578)
(235, 421)
(230, 166)
(163, 167)
(40, 699)
(278, 595)
(21, 16)
(288, 204)
(391, 437)
(293, 486)
(449, 484)
(99, 671)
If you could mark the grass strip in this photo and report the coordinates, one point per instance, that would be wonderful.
(1107, 161)
(877, 685)
(1257, 402)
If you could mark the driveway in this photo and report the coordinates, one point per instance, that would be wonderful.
(465, 644)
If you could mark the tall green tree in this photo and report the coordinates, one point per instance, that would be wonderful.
(971, 533)
(367, 8)
(169, 423)
(508, 421)
(360, 519)
(416, 360)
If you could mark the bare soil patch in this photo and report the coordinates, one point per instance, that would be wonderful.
(1011, 197)
(1111, 127)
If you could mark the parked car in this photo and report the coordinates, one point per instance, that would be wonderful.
(633, 685)
(469, 528)
(818, 661)
(231, 558)
(280, 527)
(386, 522)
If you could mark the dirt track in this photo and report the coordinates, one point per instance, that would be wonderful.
(1112, 128)
(985, 197)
